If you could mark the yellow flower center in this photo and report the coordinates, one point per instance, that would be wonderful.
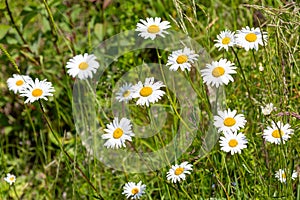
(37, 92)
(226, 40)
(179, 171)
(251, 37)
(117, 133)
(277, 134)
(229, 121)
(181, 59)
(83, 66)
(218, 71)
(12, 178)
(153, 29)
(126, 93)
(283, 175)
(233, 143)
(19, 82)
(135, 191)
(146, 91)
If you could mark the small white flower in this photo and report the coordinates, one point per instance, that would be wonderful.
(10, 178)
(250, 38)
(37, 90)
(182, 59)
(152, 27)
(278, 132)
(178, 172)
(233, 142)
(117, 133)
(133, 190)
(260, 67)
(267, 109)
(17, 82)
(229, 121)
(218, 72)
(225, 39)
(281, 175)
(149, 92)
(125, 93)
(82, 66)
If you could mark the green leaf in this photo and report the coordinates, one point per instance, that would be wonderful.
(3, 30)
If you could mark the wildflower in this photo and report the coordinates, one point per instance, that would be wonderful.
(10, 178)
(278, 132)
(82, 66)
(117, 133)
(149, 92)
(260, 67)
(182, 58)
(218, 72)
(177, 172)
(133, 190)
(250, 38)
(267, 109)
(233, 142)
(125, 93)
(152, 27)
(229, 121)
(281, 175)
(35, 90)
(225, 39)
(17, 82)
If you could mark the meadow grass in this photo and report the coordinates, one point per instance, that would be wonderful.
(39, 143)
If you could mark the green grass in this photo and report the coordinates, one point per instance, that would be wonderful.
(39, 37)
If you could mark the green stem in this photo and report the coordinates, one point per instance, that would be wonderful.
(10, 59)
(14, 188)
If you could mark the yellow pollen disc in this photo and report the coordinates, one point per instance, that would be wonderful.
(83, 66)
(12, 178)
(226, 40)
(277, 134)
(146, 91)
(233, 143)
(153, 29)
(135, 191)
(218, 71)
(283, 175)
(19, 82)
(117, 133)
(229, 121)
(182, 59)
(37, 92)
(251, 37)
(126, 93)
(178, 171)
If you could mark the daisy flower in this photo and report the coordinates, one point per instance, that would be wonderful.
(182, 58)
(152, 27)
(229, 121)
(218, 72)
(276, 132)
(225, 40)
(117, 133)
(133, 190)
(10, 178)
(233, 142)
(125, 93)
(249, 38)
(177, 172)
(17, 82)
(149, 92)
(82, 66)
(267, 109)
(281, 175)
(35, 90)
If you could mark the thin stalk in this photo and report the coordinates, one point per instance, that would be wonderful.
(10, 59)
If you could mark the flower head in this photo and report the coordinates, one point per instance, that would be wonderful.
(267, 109)
(133, 190)
(152, 27)
(182, 59)
(178, 172)
(281, 175)
(229, 121)
(82, 66)
(17, 82)
(277, 132)
(233, 142)
(125, 93)
(10, 178)
(225, 39)
(249, 38)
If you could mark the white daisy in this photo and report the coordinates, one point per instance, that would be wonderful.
(182, 58)
(225, 40)
(82, 66)
(152, 27)
(17, 82)
(267, 109)
(133, 190)
(117, 133)
(233, 142)
(250, 38)
(229, 121)
(218, 72)
(149, 92)
(281, 175)
(125, 93)
(37, 90)
(177, 172)
(277, 132)
(10, 178)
